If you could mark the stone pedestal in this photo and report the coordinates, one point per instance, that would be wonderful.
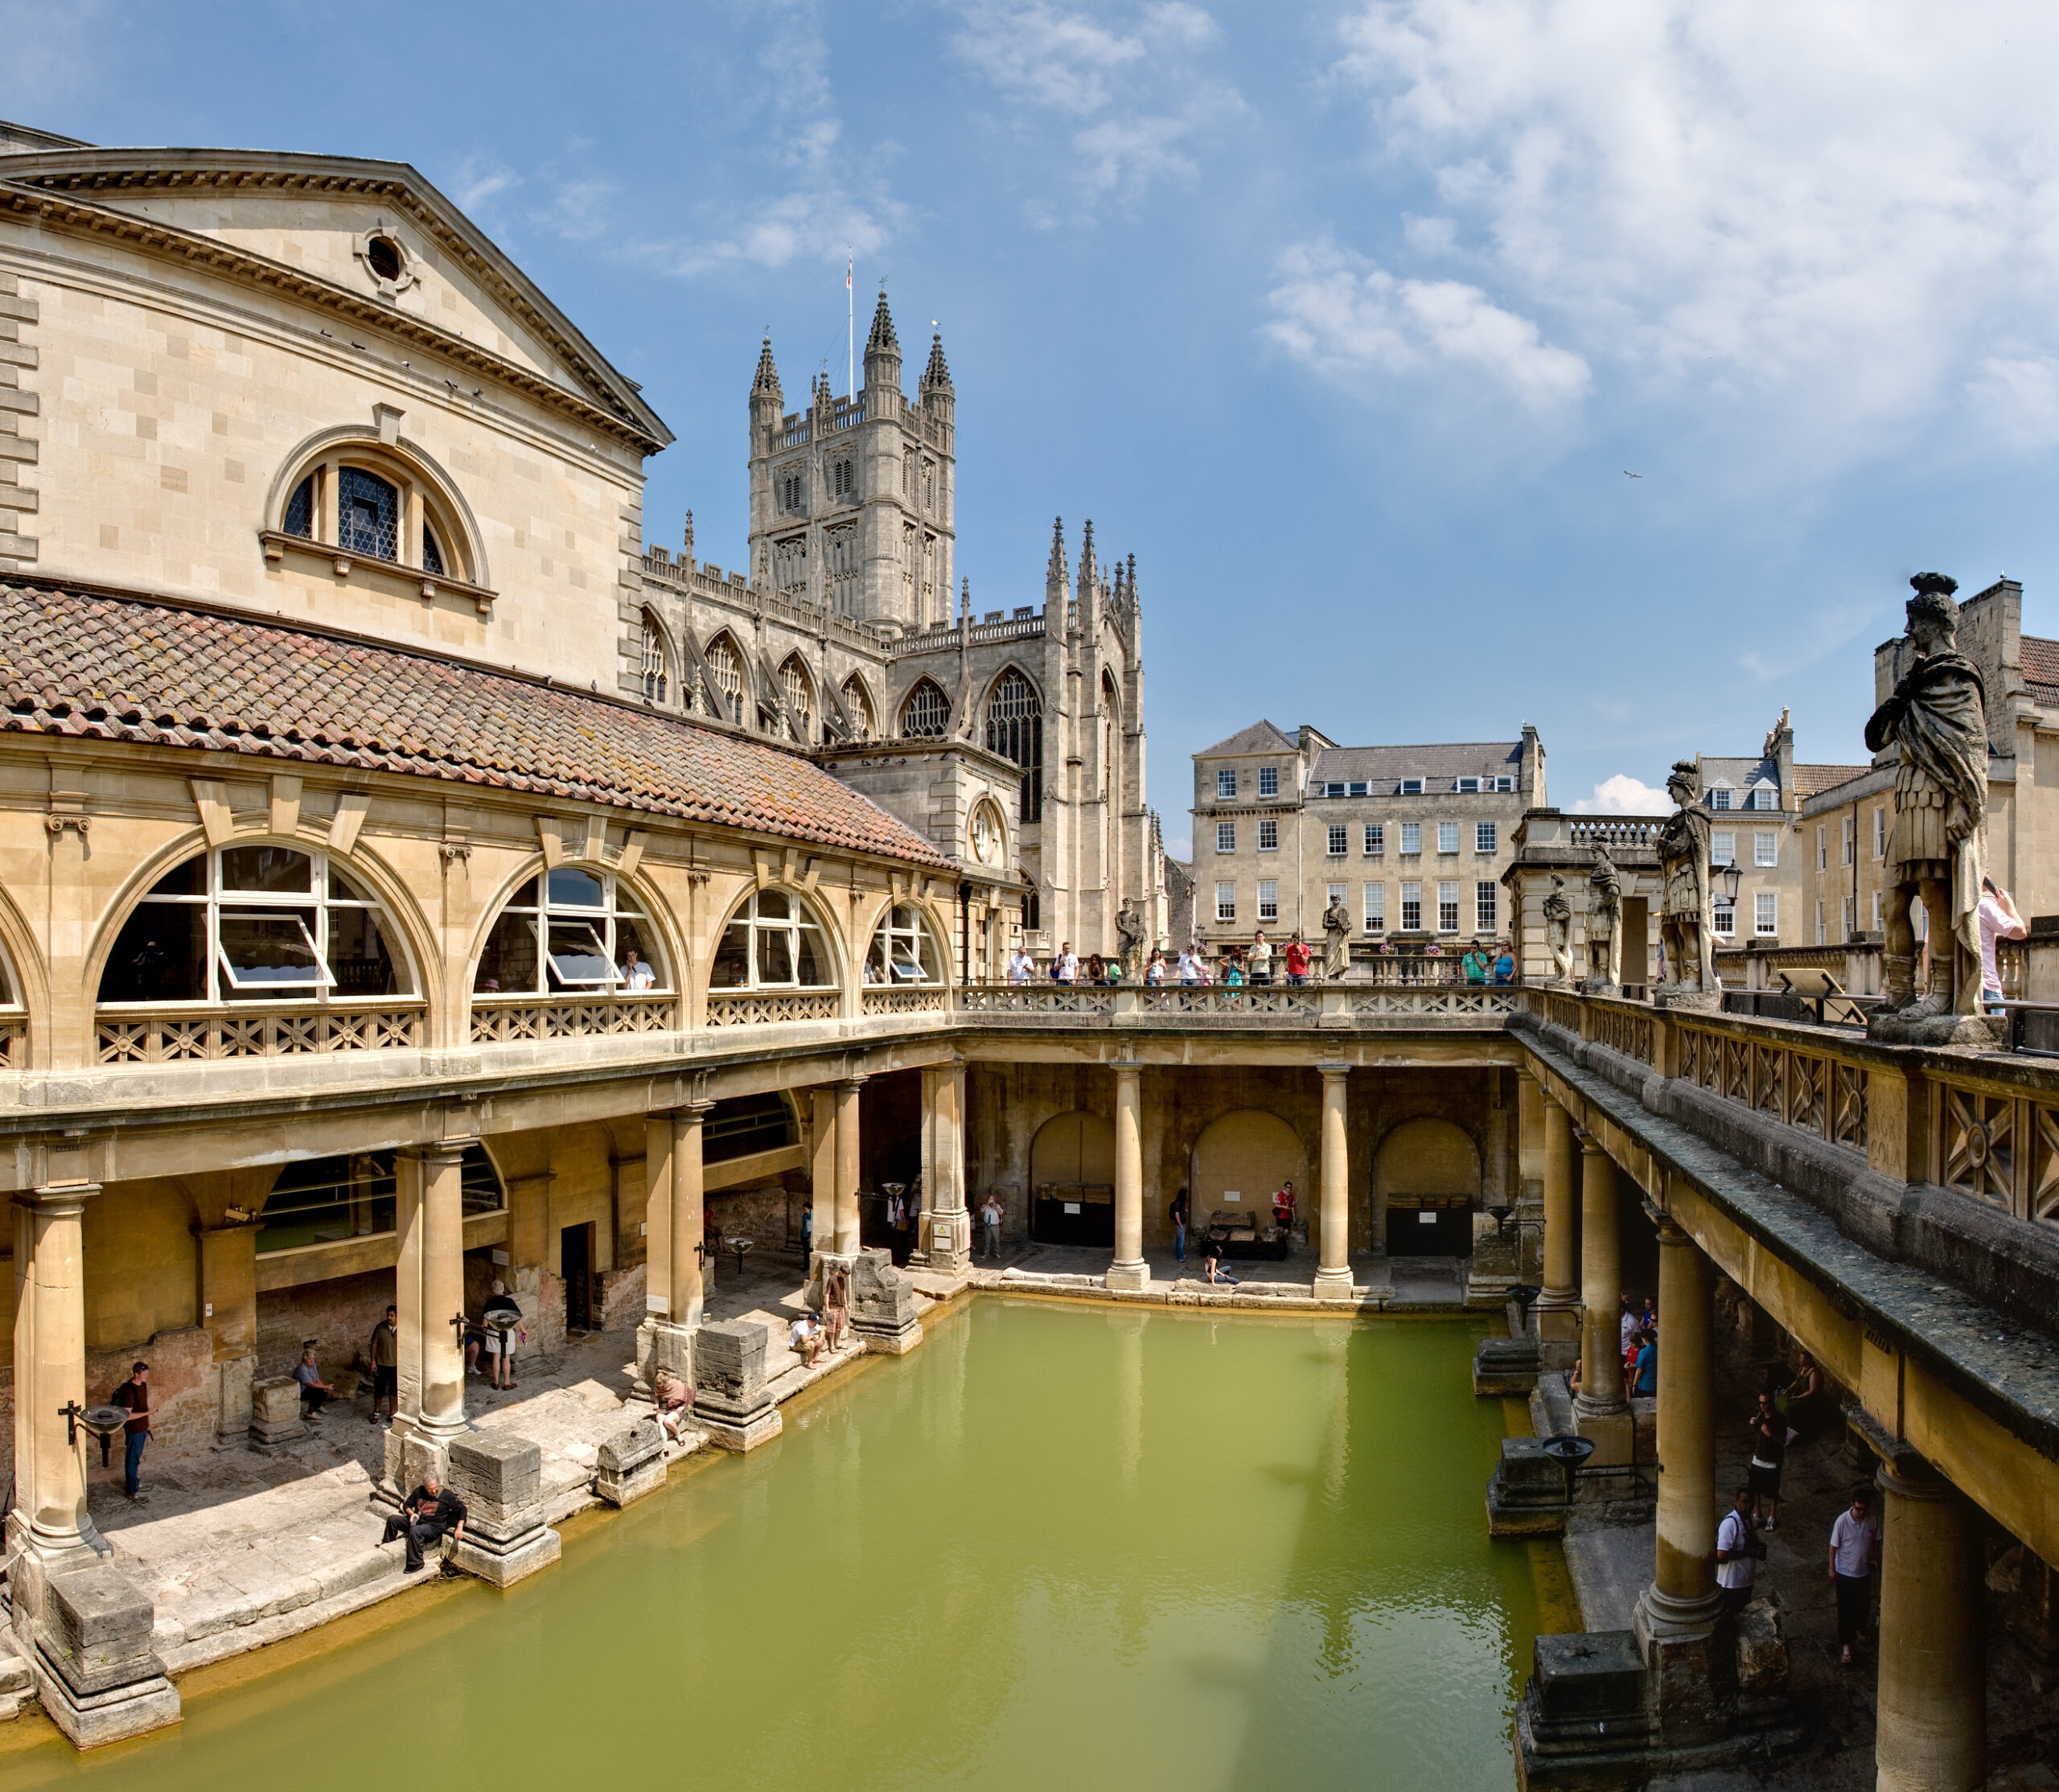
(275, 1411)
(1583, 1711)
(1692, 1657)
(499, 1477)
(233, 1379)
(733, 1403)
(1527, 1493)
(94, 1669)
(660, 1344)
(883, 1305)
(411, 1453)
(1505, 1365)
(631, 1464)
(1610, 1424)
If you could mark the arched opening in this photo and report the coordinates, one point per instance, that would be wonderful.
(865, 722)
(797, 691)
(926, 714)
(375, 500)
(986, 836)
(324, 1201)
(1426, 1180)
(724, 665)
(255, 921)
(655, 666)
(904, 948)
(773, 941)
(1015, 729)
(1072, 1180)
(572, 932)
(1240, 1162)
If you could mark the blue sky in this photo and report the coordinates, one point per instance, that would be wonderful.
(1350, 322)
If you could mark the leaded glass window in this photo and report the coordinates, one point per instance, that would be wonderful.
(860, 706)
(368, 515)
(926, 714)
(726, 669)
(300, 509)
(800, 697)
(655, 683)
(432, 555)
(1015, 729)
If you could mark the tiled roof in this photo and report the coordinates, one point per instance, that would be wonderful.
(1386, 764)
(101, 667)
(2040, 659)
(1811, 779)
(1261, 737)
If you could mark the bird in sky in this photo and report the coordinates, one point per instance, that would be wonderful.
(1628, 474)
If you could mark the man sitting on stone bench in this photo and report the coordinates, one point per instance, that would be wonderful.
(430, 1512)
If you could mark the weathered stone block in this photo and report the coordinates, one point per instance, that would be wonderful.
(883, 1305)
(631, 1464)
(1527, 1493)
(234, 1408)
(275, 1410)
(728, 1360)
(499, 1477)
(97, 1630)
(1505, 1365)
(1761, 1651)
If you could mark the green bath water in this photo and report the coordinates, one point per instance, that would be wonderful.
(1058, 1547)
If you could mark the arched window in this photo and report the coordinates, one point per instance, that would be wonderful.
(902, 949)
(656, 684)
(254, 923)
(860, 705)
(773, 942)
(1015, 729)
(985, 835)
(572, 930)
(926, 714)
(800, 696)
(726, 669)
(371, 500)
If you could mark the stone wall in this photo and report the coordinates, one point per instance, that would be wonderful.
(138, 1240)
(340, 1313)
(184, 1390)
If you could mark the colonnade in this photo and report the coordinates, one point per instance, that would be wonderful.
(1932, 1682)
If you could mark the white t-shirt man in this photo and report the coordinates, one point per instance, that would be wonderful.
(1852, 1544)
(1022, 967)
(638, 974)
(990, 1212)
(1742, 1569)
(1189, 967)
(1066, 969)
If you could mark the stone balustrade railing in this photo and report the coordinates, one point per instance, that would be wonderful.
(500, 1019)
(169, 1036)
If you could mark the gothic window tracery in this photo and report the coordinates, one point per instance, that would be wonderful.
(793, 490)
(790, 568)
(843, 478)
(860, 706)
(655, 682)
(926, 714)
(843, 565)
(800, 696)
(1015, 729)
(725, 670)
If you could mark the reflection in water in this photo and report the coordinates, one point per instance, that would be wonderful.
(1052, 1543)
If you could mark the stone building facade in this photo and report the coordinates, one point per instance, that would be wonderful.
(1413, 839)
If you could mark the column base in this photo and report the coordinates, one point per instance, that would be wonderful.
(738, 1429)
(1692, 1659)
(881, 1339)
(1334, 1284)
(501, 1563)
(1609, 1425)
(1128, 1278)
(660, 1344)
(1557, 1318)
(413, 1447)
(946, 1249)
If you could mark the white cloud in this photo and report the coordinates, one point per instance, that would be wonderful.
(1624, 795)
(1823, 218)
(1350, 318)
(480, 180)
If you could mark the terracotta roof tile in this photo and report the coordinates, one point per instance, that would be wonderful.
(110, 667)
(2040, 659)
(1811, 779)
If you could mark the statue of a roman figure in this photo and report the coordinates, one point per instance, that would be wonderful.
(1129, 931)
(1685, 924)
(1605, 906)
(1559, 929)
(1336, 940)
(1937, 720)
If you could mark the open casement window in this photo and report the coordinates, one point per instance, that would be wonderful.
(902, 951)
(254, 923)
(572, 932)
(773, 942)
(369, 501)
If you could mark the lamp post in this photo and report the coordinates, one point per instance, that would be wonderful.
(1726, 878)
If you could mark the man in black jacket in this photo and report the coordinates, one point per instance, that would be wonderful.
(430, 1512)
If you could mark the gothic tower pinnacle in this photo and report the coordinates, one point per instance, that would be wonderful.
(1054, 571)
(882, 348)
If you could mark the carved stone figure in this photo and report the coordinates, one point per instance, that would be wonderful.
(1605, 907)
(1559, 929)
(1337, 940)
(1686, 935)
(1129, 931)
(1937, 720)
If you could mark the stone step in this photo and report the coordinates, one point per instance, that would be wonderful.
(14, 1678)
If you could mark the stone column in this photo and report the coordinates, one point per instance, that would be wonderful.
(822, 1166)
(1694, 1676)
(1333, 1263)
(1129, 1271)
(1600, 1411)
(49, 1515)
(945, 1243)
(429, 1289)
(1933, 1726)
(1558, 1306)
(686, 1279)
(676, 1288)
(849, 1170)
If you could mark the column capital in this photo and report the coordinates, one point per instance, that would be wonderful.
(1670, 1230)
(1129, 1066)
(1909, 1476)
(854, 1083)
(1587, 1142)
(692, 1113)
(1334, 1072)
(58, 1199)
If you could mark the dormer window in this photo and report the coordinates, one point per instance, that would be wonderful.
(1468, 785)
(1719, 796)
(1411, 786)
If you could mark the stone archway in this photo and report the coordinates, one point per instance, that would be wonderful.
(1072, 1180)
(1239, 1160)
(1426, 1185)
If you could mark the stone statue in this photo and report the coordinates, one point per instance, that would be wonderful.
(1604, 908)
(1686, 935)
(1129, 931)
(1559, 929)
(1337, 940)
(1937, 720)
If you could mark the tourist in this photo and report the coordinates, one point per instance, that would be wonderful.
(1626, 1324)
(1505, 966)
(1022, 967)
(807, 1233)
(869, 973)
(1190, 972)
(1211, 1261)
(672, 1401)
(1766, 1435)
(1998, 919)
(1154, 973)
(1475, 965)
(499, 1340)
(1738, 1554)
(990, 1218)
(1297, 960)
(1261, 958)
(637, 975)
(134, 1397)
(805, 1336)
(1797, 1403)
(1097, 972)
(1065, 968)
(384, 1351)
(1644, 1370)
(1648, 1315)
(1283, 1212)
(837, 1304)
(314, 1392)
(1572, 1378)
(1180, 1226)
(1855, 1553)
(430, 1512)
(1233, 973)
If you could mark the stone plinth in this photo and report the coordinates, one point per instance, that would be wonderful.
(499, 1477)
(883, 1305)
(233, 1376)
(95, 1670)
(662, 1344)
(732, 1400)
(275, 1411)
(1527, 1493)
(1505, 1365)
(1583, 1711)
(631, 1464)
(1611, 1427)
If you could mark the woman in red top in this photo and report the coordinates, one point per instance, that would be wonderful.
(1282, 1210)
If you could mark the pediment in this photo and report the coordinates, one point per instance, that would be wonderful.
(324, 217)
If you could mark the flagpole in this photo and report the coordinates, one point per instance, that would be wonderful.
(850, 336)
